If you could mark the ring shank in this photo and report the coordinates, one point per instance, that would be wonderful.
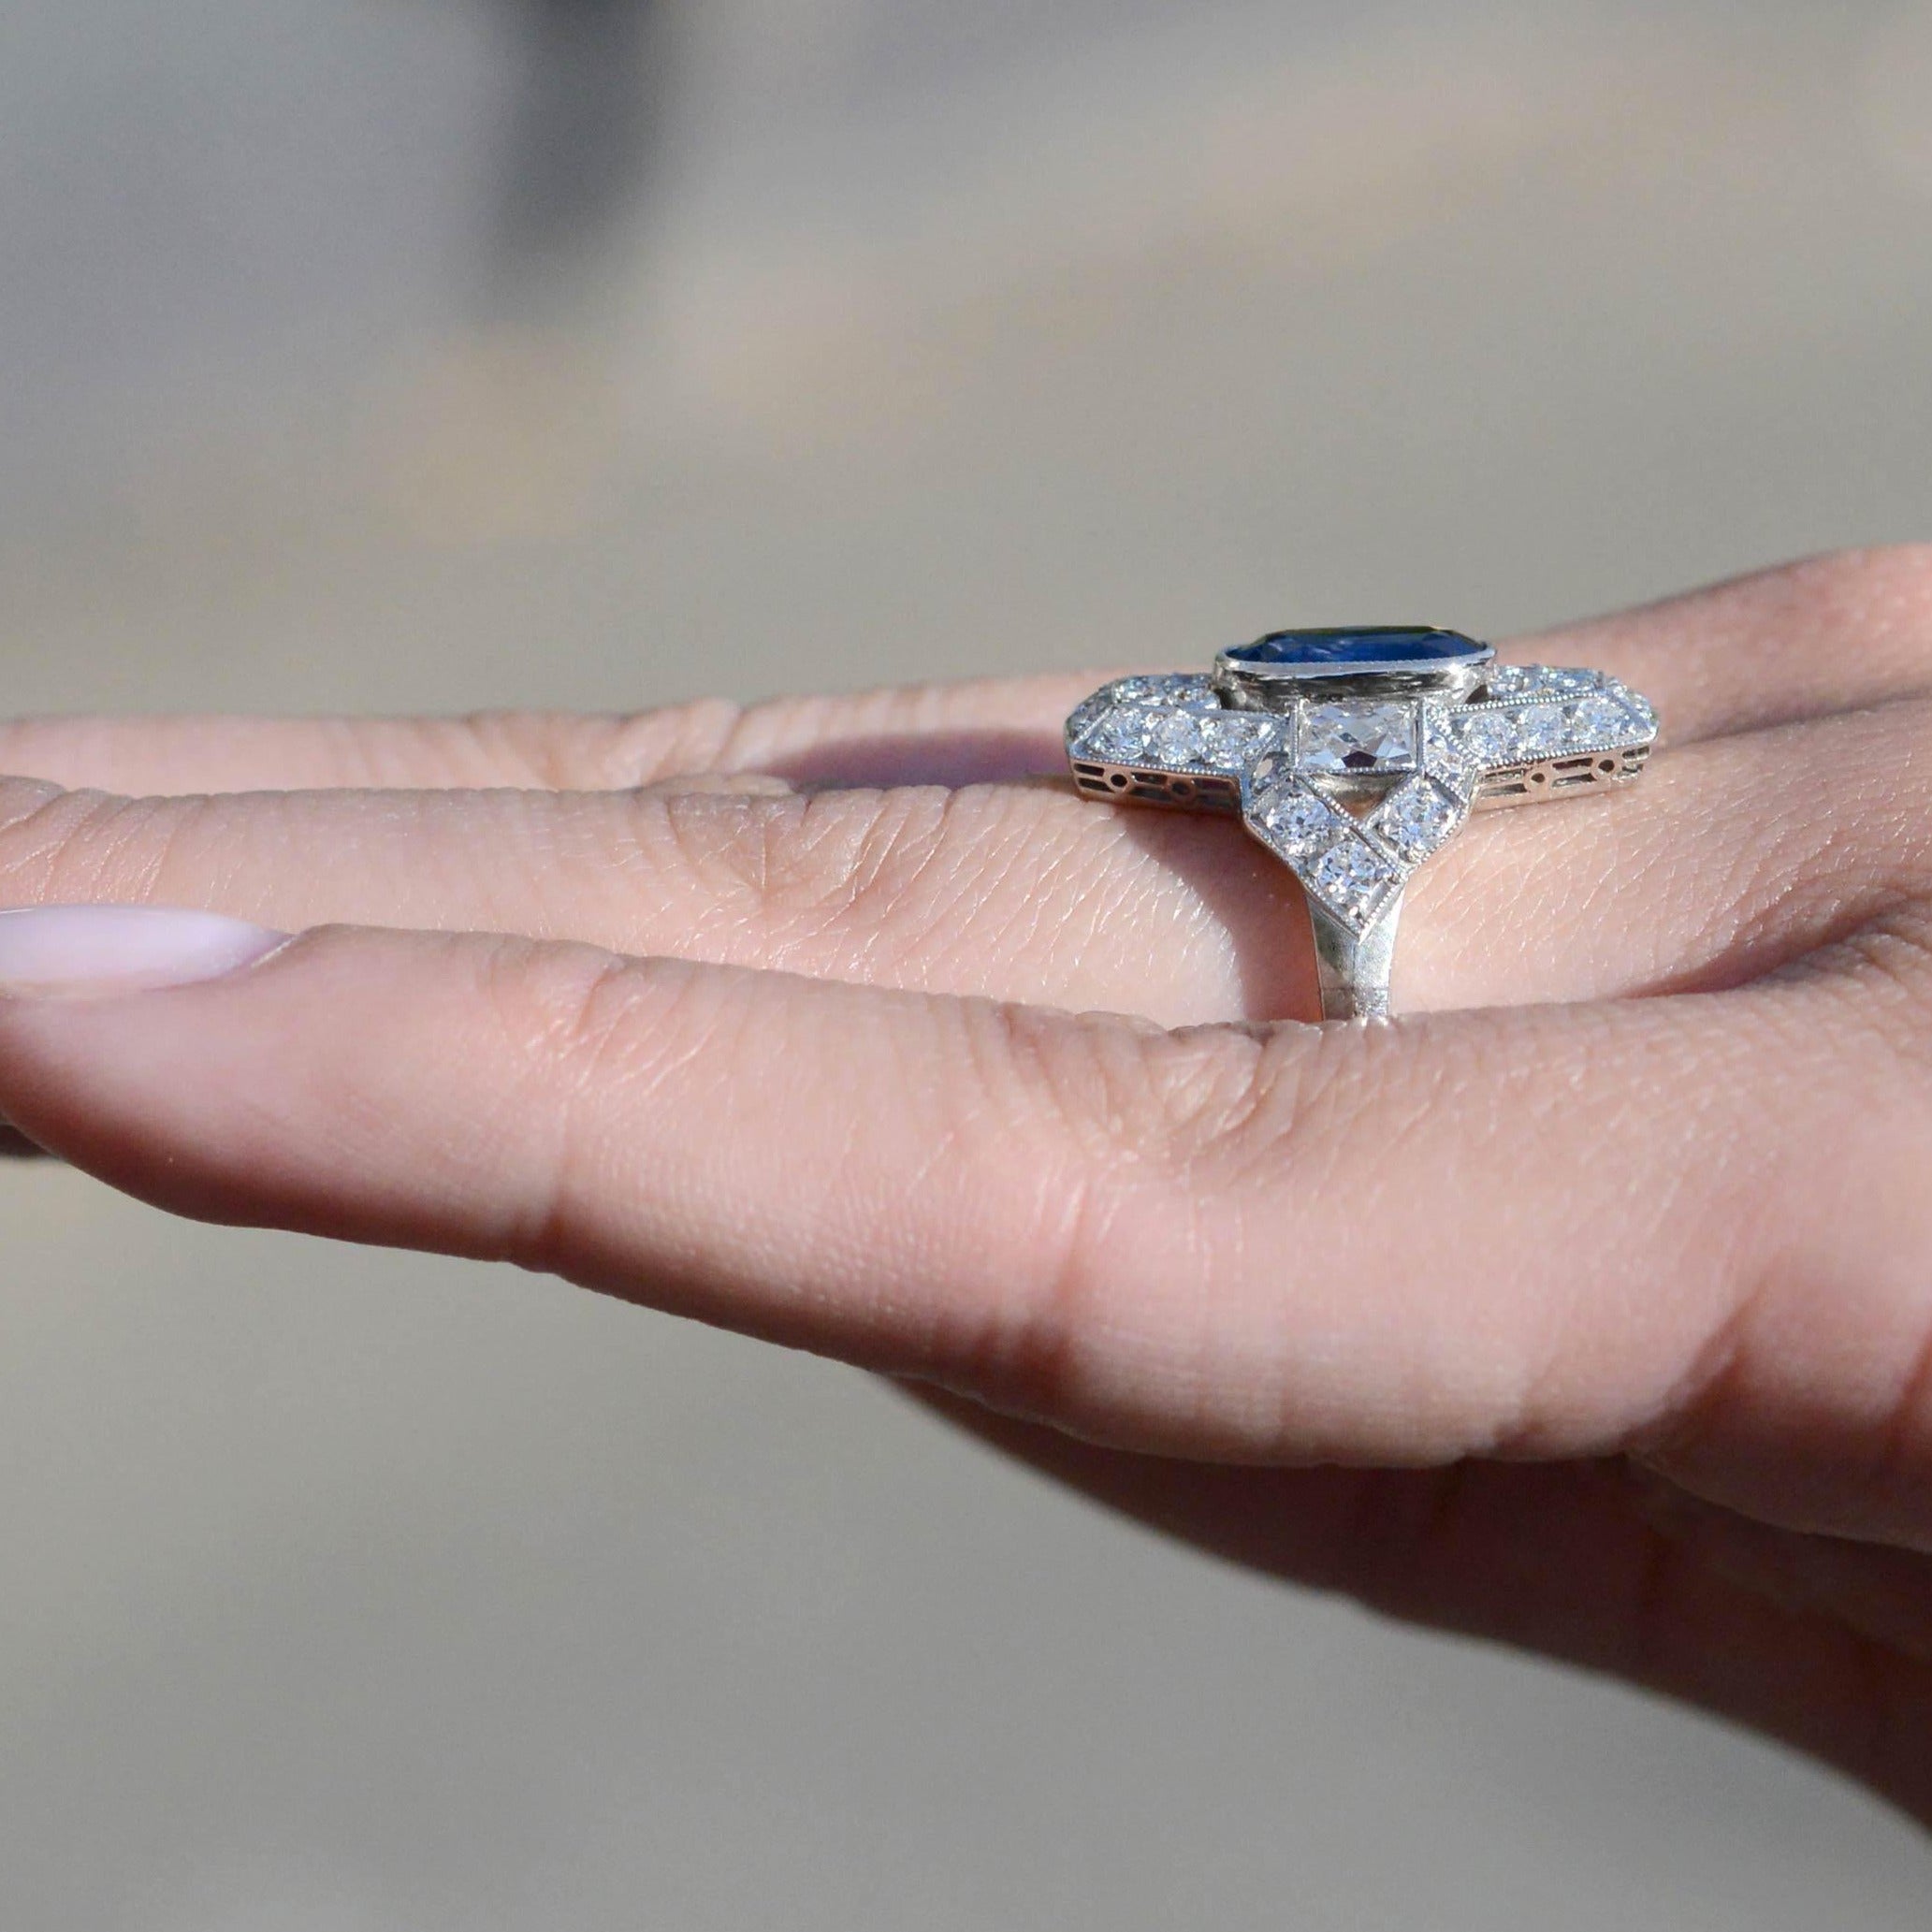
(1354, 968)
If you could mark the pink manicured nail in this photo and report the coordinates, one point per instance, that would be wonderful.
(92, 951)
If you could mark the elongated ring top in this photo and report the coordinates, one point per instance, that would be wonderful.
(1354, 756)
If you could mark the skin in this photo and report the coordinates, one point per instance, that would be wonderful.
(1587, 1308)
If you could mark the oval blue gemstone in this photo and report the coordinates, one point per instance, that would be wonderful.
(1395, 644)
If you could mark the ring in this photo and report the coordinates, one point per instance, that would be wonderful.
(1355, 755)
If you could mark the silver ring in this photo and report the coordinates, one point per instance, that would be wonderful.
(1354, 756)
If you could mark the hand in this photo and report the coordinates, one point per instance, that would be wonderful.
(1589, 1309)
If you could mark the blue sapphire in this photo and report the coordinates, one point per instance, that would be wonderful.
(1341, 650)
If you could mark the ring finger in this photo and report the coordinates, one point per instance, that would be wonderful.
(1733, 856)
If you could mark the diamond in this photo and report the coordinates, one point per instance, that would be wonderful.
(1415, 820)
(1184, 688)
(1352, 877)
(1233, 737)
(1177, 739)
(1296, 820)
(1487, 736)
(1514, 680)
(1443, 756)
(1086, 714)
(1540, 731)
(1358, 738)
(1121, 737)
(1599, 720)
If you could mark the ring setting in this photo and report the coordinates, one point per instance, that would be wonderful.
(1354, 756)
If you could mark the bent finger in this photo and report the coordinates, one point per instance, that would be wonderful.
(1276, 1246)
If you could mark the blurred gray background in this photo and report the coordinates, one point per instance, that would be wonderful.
(358, 354)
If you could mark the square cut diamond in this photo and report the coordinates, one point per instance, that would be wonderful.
(1358, 738)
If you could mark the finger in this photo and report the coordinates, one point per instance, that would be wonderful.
(1559, 1559)
(1293, 1245)
(956, 733)
(929, 1186)
(1825, 635)
(1732, 859)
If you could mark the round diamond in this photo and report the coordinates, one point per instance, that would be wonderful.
(1599, 720)
(1122, 735)
(1350, 875)
(1177, 740)
(1298, 820)
(1231, 737)
(1417, 819)
(1540, 731)
(1489, 737)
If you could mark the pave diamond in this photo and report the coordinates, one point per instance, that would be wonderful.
(1360, 737)
(1085, 715)
(1444, 755)
(1415, 820)
(1525, 683)
(1515, 680)
(1639, 708)
(1182, 688)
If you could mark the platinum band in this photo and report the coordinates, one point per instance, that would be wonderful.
(1355, 775)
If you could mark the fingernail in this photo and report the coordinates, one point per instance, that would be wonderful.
(95, 951)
